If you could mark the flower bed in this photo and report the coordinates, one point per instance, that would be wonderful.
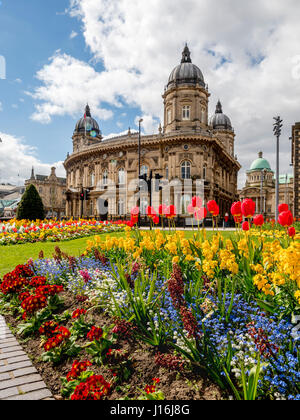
(20, 232)
(145, 315)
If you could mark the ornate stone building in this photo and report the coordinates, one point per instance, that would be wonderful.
(52, 192)
(189, 147)
(260, 187)
(296, 164)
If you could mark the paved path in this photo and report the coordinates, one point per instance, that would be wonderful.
(19, 380)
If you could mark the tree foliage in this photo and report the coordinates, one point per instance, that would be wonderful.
(31, 206)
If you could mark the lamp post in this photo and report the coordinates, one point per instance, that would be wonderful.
(277, 134)
(139, 170)
(262, 179)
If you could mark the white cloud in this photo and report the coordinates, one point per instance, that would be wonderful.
(247, 52)
(73, 34)
(16, 171)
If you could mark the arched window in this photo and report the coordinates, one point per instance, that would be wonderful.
(204, 172)
(186, 112)
(121, 176)
(167, 172)
(186, 170)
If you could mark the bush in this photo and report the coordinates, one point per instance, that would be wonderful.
(31, 206)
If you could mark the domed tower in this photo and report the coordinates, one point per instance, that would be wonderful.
(186, 97)
(223, 127)
(87, 131)
(260, 167)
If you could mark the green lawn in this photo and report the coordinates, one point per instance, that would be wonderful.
(11, 256)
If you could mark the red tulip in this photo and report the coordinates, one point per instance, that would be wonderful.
(282, 208)
(246, 226)
(248, 208)
(196, 202)
(156, 220)
(259, 220)
(134, 219)
(286, 219)
(150, 212)
(238, 219)
(291, 231)
(200, 214)
(236, 209)
(171, 211)
(135, 211)
(213, 208)
(162, 209)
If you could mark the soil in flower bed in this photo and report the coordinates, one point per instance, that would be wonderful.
(174, 385)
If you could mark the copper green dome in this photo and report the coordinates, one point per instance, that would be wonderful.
(260, 164)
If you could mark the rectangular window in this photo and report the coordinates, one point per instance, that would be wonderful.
(186, 112)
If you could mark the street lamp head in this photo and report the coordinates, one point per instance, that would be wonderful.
(141, 120)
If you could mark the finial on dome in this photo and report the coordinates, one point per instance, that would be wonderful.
(260, 155)
(219, 108)
(87, 111)
(186, 55)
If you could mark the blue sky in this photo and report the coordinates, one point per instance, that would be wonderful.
(119, 60)
(31, 32)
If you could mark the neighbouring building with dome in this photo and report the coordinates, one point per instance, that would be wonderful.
(189, 146)
(260, 187)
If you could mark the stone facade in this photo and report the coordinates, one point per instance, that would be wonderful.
(52, 192)
(296, 164)
(189, 147)
(260, 187)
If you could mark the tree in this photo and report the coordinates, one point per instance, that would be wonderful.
(31, 206)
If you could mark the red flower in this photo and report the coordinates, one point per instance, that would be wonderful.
(171, 212)
(156, 220)
(236, 209)
(283, 207)
(213, 208)
(196, 202)
(76, 314)
(200, 214)
(246, 226)
(95, 334)
(94, 388)
(151, 213)
(292, 231)
(286, 219)
(77, 369)
(162, 209)
(135, 211)
(248, 208)
(259, 220)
